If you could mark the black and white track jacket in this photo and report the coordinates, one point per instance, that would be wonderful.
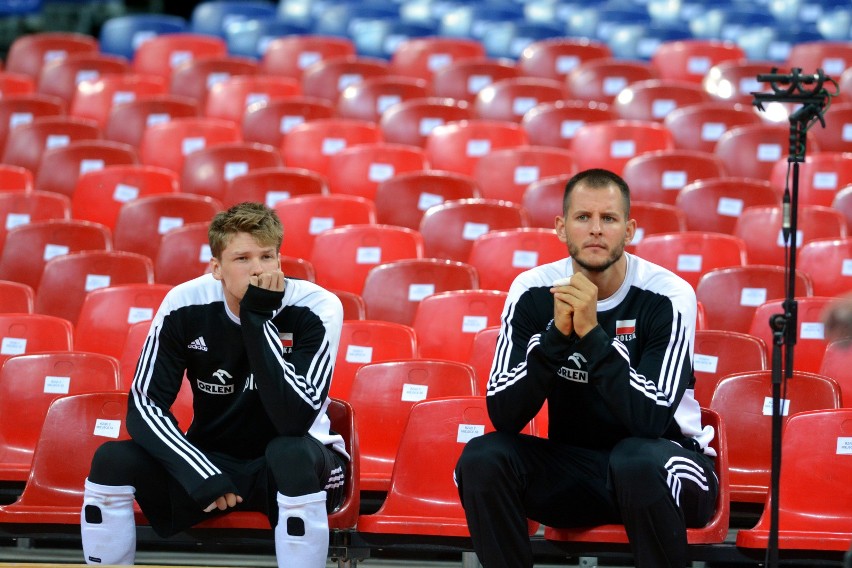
(253, 378)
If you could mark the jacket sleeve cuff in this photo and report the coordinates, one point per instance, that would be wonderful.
(261, 300)
(213, 488)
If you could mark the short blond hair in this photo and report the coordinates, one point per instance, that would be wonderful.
(256, 219)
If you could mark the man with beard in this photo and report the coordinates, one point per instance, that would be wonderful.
(606, 338)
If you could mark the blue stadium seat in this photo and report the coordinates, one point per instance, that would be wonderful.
(509, 39)
(476, 20)
(342, 18)
(214, 16)
(379, 37)
(121, 35)
(250, 38)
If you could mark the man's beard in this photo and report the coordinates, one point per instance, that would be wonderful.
(616, 254)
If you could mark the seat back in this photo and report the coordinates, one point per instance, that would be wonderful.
(107, 314)
(343, 256)
(209, 170)
(20, 109)
(482, 355)
(715, 204)
(821, 176)
(393, 290)
(128, 121)
(761, 229)
(27, 143)
(271, 185)
(411, 121)
(229, 99)
(554, 124)
(290, 56)
(194, 79)
(660, 176)
(464, 78)
(657, 99)
(369, 341)
(29, 52)
(360, 169)
(327, 78)
(97, 100)
(184, 254)
(699, 126)
(403, 199)
(29, 384)
(653, 218)
(67, 279)
(62, 78)
(168, 144)
(382, 396)
(499, 256)
(830, 138)
(447, 322)
(310, 145)
(458, 146)
(122, 35)
(450, 228)
(141, 223)
(719, 353)
(60, 168)
(602, 79)
(691, 59)
(23, 334)
(269, 122)
(744, 401)
(163, 54)
(368, 99)
(505, 173)
(692, 254)
(827, 263)
(811, 343)
(14, 178)
(752, 151)
(731, 295)
(836, 364)
(556, 57)
(16, 298)
(28, 247)
(611, 144)
(509, 99)
(306, 216)
(542, 200)
(423, 57)
(21, 207)
(99, 195)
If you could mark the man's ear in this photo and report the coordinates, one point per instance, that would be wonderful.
(215, 268)
(561, 230)
(631, 231)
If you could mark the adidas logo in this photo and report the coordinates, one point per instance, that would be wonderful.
(198, 344)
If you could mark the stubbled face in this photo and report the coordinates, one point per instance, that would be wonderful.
(595, 227)
(241, 259)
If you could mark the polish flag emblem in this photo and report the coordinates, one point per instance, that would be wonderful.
(286, 339)
(625, 327)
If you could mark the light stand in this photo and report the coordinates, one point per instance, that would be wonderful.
(789, 88)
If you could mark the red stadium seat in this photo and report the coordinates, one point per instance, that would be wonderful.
(163, 54)
(692, 254)
(393, 290)
(141, 223)
(836, 135)
(63, 78)
(311, 145)
(269, 122)
(29, 247)
(611, 144)
(499, 256)
(271, 185)
(742, 401)
(554, 124)
(230, 98)
(184, 254)
(354, 307)
(660, 175)
(99, 195)
(422, 57)
(20, 207)
(555, 58)
(306, 216)
(828, 262)
(731, 295)
(482, 355)
(30, 52)
(656, 99)
(735, 80)
(15, 178)
(602, 79)
(463, 79)
(691, 59)
(96, 98)
(810, 338)
(22, 109)
(210, 170)
(107, 314)
(26, 144)
(510, 99)
(458, 146)
(654, 218)
(833, 57)
(836, 364)
(196, 78)
(814, 516)
(369, 341)
(360, 169)
(699, 126)
(128, 121)
(403, 199)
(382, 396)
(505, 173)
(752, 150)
(446, 322)
(343, 256)
(16, 298)
(843, 203)
(542, 200)
(761, 228)
(410, 122)
(16, 84)
(326, 79)
(450, 228)
(715, 204)
(68, 278)
(168, 144)
(370, 98)
(821, 176)
(60, 168)
(289, 56)
(29, 384)
(719, 353)
(24, 334)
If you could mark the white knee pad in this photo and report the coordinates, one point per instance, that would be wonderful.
(301, 536)
(107, 524)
